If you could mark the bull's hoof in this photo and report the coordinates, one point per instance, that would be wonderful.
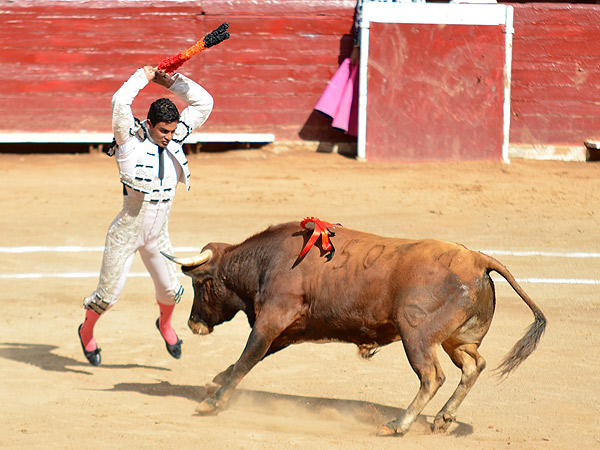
(389, 429)
(208, 407)
(442, 422)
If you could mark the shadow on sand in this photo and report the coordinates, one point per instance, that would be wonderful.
(40, 355)
(368, 413)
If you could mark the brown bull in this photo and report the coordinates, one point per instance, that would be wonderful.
(372, 292)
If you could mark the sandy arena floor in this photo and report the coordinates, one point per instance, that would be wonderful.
(309, 396)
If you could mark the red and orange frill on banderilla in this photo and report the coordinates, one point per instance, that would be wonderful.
(322, 229)
(172, 63)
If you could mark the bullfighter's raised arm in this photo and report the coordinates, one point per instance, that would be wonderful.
(199, 100)
(122, 115)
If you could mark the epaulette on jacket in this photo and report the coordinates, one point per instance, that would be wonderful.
(136, 130)
(183, 130)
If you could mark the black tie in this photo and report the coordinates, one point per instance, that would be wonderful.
(161, 163)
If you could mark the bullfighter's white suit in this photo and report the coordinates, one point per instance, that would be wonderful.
(150, 176)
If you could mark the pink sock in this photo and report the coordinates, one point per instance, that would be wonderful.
(87, 330)
(164, 323)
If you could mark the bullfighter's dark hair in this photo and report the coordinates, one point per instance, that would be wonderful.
(163, 110)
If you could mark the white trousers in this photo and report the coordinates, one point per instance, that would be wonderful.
(140, 226)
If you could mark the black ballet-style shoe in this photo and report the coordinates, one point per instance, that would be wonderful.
(92, 356)
(175, 349)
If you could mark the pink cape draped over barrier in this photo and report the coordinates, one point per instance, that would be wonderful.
(340, 98)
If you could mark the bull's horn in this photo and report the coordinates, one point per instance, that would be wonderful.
(192, 261)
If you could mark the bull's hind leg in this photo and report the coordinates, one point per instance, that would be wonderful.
(428, 369)
(471, 363)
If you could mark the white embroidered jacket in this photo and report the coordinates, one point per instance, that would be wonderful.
(137, 155)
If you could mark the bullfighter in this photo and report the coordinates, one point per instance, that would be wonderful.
(151, 163)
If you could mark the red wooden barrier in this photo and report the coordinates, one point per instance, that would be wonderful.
(444, 104)
(555, 74)
(62, 60)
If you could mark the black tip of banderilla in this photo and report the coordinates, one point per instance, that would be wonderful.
(216, 36)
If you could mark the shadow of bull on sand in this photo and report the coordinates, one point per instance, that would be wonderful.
(261, 402)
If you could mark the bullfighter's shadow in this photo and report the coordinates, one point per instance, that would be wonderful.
(369, 413)
(42, 356)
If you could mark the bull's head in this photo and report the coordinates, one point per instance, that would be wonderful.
(214, 303)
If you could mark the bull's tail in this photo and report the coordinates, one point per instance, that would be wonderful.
(528, 343)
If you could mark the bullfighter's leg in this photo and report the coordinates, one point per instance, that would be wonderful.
(119, 251)
(467, 358)
(167, 287)
(427, 367)
(264, 332)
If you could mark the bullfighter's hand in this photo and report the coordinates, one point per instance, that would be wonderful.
(163, 79)
(150, 72)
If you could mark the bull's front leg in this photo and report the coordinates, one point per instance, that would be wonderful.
(214, 385)
(258, 344)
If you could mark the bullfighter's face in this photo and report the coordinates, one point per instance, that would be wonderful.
(162, 132)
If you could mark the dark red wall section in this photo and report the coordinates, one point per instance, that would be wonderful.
(444, 103)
